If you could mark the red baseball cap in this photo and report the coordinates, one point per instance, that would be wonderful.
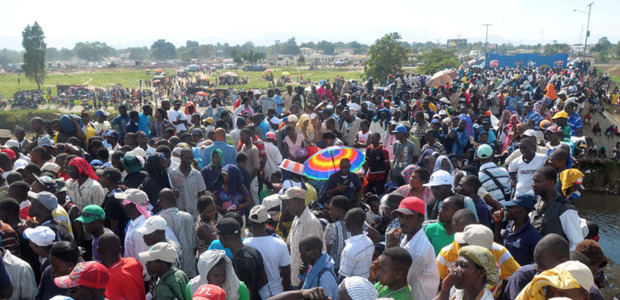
(9, 152)
(89, 274)
(410, 205)
(209, 292)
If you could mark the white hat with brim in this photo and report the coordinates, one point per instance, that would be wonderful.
(161, 251)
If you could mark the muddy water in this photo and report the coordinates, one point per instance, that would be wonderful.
(604, 209)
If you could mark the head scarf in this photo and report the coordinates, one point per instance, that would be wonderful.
(235, 178)
(570, 177)
(219, 153)
(84, 167)
(483, 258)
(153, 167)
(426, 153)
(438, 162)
(143, 209)
(189, 104)
(206, 262)
(388, 117)
(300, 124)
(565, 276)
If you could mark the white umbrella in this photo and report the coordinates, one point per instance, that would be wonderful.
(442, 77)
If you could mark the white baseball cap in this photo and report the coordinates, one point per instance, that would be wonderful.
(152, 224)
(41, 236)
(160, 251)
(133, 195)
(11, 144)
(475, 234)
(258, 214)
(440, 177)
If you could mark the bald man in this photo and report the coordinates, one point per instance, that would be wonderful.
(228, 152)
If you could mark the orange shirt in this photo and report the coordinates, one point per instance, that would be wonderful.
(126, 281)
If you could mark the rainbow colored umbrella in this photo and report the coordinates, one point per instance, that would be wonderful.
(327, 161)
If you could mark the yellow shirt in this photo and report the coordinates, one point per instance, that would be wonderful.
(448, 255)
(60, 215)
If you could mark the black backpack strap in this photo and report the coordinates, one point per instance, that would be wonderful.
(498, 184)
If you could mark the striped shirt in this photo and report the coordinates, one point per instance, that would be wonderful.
(501, 175)
(180, 223)
(356, 256)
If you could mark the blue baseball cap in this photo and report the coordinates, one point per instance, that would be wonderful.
(101, 113)
(112, 133)
(401, 129)
(525, 200)
(435, 121)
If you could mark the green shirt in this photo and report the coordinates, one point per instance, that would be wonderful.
(244, 293)
(438, 236)
(385, 292)
(171, 286)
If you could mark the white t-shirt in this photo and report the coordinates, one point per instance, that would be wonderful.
(525, 172)
(275, 255)
(175, 115)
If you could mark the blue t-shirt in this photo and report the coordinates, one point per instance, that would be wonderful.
(143, 124)
(574, 121)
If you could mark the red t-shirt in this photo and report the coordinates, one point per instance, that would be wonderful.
(126, 281)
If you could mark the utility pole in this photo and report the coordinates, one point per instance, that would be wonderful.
(486, 39)
(585, 45)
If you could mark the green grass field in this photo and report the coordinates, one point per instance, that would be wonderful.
(130, 78)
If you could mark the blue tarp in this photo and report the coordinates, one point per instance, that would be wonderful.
(496, 60)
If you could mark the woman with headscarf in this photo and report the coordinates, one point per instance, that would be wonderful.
(83, 188)
(214, 267)
(473, 272)
(190, 109)
(571, 279)
(212, 173)
(232, 195)
(304, 126)
(443, 163)
(380, 123)
(156, 166)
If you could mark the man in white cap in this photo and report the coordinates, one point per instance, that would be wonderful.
(357, 288)
(40, 240)
(172, 282)
(134, 204)
(155, 230)
(441, 185)
(276, 257)
(304, 225)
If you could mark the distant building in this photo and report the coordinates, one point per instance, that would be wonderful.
(456, 43)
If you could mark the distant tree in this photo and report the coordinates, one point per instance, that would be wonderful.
(310, 45)
(95, 51)
(289, 47)
(253, 56)
(386, 56)
(162, 50)
(34, 58)
(301, 60)
(603, 45)
(138, 53)
(617, 50)
(358, 48)
(65, 54)
(236, 55)
(8, 56)
(327, 47)
(206, 51)
(602, 57)
(437, 60)
(191, 44)
(51, 54)
(556, 48)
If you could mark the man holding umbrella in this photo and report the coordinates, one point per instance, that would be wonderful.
(344, 183)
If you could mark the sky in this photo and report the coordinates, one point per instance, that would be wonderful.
(131, 23)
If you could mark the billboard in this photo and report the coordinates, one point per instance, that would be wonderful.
(457, 43)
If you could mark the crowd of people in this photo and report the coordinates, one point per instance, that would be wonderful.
(465, 191)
